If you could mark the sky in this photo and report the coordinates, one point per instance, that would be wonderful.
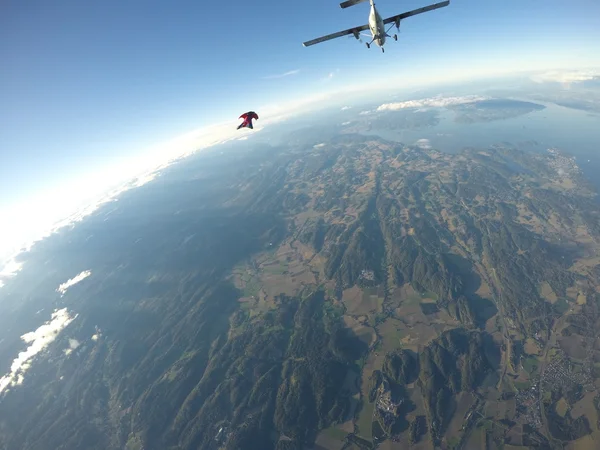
(90, 92)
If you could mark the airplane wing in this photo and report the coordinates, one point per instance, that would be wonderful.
(354, 30)
(415, 12)
(349, 3)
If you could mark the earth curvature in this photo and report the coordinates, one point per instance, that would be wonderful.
(419, 270)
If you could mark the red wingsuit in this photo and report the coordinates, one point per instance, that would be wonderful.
(247, 123)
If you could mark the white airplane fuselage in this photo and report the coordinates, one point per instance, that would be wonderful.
(376, 25)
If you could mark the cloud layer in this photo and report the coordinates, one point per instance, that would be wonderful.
(38, 340)
(565, 76)
(60, 208)
(433, 102)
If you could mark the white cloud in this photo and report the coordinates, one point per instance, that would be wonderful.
(434, 102)
(97, 335)
(38, 340)
(319, 145)
(565, 76)
(73, 344)
(143, 179)
(423, 143)
(282, 75)
(62, 289)
(364, 113)
(345, 108)
(10, 268)
(346, 123)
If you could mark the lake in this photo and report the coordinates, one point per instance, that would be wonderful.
(572, 131)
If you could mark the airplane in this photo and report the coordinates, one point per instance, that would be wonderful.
(376, 24)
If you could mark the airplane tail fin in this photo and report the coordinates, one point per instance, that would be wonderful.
(349, 3)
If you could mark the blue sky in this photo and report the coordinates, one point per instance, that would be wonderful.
(86, 85)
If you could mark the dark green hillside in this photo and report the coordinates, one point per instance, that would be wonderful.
(317, 296)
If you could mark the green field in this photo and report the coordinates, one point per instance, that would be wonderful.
(530, 364)
(365, 421)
